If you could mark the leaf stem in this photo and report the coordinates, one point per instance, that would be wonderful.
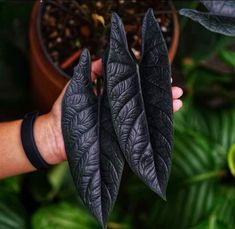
(206, 176)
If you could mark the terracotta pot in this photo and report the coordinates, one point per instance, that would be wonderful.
(47, 80)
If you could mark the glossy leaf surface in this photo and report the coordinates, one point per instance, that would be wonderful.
(145, 142)
(219, 19)
(215, 23)
(221, 7)
(94, 156)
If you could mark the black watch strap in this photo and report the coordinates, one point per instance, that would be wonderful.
(28, 142)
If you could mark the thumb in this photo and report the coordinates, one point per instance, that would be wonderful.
(96, 69)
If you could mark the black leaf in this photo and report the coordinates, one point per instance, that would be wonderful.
(141, 102)
(94, 156)
(220, 7)
(215, 23)
(219, 19)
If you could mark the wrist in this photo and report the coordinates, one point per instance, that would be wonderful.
(49, 139)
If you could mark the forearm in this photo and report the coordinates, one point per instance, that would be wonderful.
(13, 159)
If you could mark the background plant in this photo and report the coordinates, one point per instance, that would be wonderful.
(201, 192)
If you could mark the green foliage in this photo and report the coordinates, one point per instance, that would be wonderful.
(12, 212)
(199, 172)
(201, 192)
(11, 216)
(62, 215)
(231, 159)
(228, 57)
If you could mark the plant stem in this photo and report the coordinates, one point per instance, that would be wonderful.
(206, 176)
(71, 59)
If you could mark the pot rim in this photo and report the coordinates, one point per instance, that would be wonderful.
(39, 31)
(173, 46)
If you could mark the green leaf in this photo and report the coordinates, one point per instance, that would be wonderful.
(228, 57)
(12, 214)
(211, 223)
(61, 216)
(10, 185)
(199, 167)
(217, 127)
(231, 159)
(215, 23)
(225, 208)
(56, 178)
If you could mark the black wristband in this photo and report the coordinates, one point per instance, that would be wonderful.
(29, 144)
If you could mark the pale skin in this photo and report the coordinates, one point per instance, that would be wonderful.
(47, 134)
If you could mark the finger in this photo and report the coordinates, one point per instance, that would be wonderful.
(177, 92)
(96, 69)
(177, 104)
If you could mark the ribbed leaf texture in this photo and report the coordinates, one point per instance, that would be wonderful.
(219, 19)
(94, 156)
(222, 7)
(141, 102)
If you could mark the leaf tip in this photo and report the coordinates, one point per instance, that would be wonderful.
(115, 18)
(183, 12)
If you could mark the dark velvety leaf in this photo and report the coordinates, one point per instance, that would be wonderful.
(137, 132)
(215, 23)
(94, 156)
(221, 7)
(155, 73)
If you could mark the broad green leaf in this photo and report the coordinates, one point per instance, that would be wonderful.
(225, 208)
(61, 216)
(231, 159)
(197, 167)
(228, 57)
(215, 23)
(217, 127)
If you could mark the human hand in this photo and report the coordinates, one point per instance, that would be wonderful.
(55, 153)
(177, 92)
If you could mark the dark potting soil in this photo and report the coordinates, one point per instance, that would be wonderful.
(70, 25)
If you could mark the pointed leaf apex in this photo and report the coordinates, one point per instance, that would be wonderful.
(115, 17)
(150, 12)
(85, 56)
(163, 195)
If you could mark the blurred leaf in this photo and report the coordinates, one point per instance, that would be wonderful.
(199, 171)
(231, 159)
(61, 216)
(12, 213)
(10, 185)
(218, 127)
(197, 167)
(215, 23)
(222, 7)
(212, 223)
(228, 57)
(56, 177)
